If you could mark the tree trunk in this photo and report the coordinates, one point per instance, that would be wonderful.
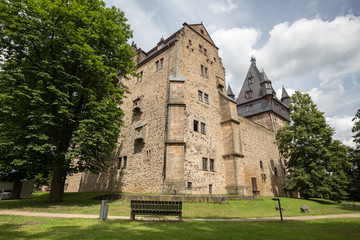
(15, 193)
(56, 191)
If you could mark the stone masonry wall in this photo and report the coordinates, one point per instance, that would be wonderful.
(258, 144)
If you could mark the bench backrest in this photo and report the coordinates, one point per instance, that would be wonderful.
(160, 206)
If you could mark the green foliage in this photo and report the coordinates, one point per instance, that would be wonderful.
(60, 95)
(354, 173)
(317, 165)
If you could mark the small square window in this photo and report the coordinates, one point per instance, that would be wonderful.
(204, 164)
(212, 165)
(196, 126)
(206, 98)
(203, 128)
(200, 93)
(248, 94)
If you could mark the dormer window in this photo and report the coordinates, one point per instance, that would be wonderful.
(250, 80)
(268, 85)
(248, 94)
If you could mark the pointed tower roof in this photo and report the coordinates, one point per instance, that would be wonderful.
(284, 93)
(230, 93)
(285, 97)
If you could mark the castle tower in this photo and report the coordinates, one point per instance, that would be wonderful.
(257, 100)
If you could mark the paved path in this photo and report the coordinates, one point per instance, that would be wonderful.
(69, 215)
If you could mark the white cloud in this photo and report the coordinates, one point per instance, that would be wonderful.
(222, 7)
(235, 48)
(305, 46)
(342, 127)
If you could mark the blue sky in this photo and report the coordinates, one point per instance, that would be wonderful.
(312, 46)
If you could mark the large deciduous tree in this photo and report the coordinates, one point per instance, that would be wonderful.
(354, 173)
(59, 91)
(317, 165)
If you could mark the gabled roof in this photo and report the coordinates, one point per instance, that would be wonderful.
(201, 30)
(255, 87)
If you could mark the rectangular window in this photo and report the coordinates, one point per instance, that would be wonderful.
(204, 164)
(161, 63)
(206, 98)
(202, 70)
(205, 52)
(157, 66)
(139, 79)
(210, 188)
(248, 94)
(119, 163)
(248, 107)
(212, 165)
(250, 80)
(276, 106)
(196, 126)
(206, 72)
(200, 93)
(261, 164)
(268, 85)
(200, 48)
(189, 185)
(148, 155)
(203, 128)
(275, 172)
(125, 161)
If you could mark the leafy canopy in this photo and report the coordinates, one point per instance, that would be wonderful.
(317, 164)
(60, 95)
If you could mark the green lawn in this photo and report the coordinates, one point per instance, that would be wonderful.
(18, 227)
(262, 207)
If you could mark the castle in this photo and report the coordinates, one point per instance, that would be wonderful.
(185, 131)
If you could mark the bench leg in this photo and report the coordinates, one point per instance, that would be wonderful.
(132, 217)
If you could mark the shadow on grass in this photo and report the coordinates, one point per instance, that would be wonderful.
(113, 229)
(39, 200)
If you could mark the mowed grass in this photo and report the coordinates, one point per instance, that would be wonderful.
(18, 227)
(83, 203)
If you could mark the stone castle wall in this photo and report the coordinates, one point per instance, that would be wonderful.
(233, 144)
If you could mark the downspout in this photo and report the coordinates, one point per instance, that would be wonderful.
(166, 118)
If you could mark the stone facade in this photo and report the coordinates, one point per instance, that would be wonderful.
(183, 134)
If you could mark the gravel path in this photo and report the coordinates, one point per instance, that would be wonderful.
(69, 215)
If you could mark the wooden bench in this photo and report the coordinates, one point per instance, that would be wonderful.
(169, 208)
